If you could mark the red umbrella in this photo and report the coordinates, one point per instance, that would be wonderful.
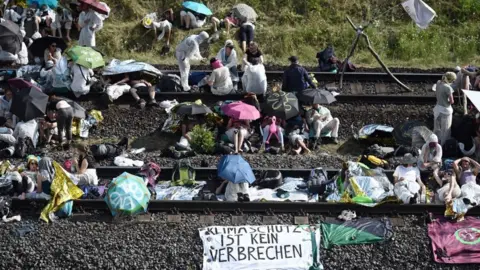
(96, 6)
(241, 111)
(18, 83)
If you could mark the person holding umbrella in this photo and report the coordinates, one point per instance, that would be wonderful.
(189, 49)
(320, 120)
(52, 53)
(194, 15)
(238, 174)
(64, 113)
(295, 78)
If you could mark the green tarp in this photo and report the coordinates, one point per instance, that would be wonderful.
(355, 232)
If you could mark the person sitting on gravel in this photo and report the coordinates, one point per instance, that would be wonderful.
(266, 131)
(219, 82)
(407, 180)
(81, 80)
(7, 140)
(296, 78)
(141, 86)
(184, 143)
(52, 53)
(229, 22)
(189, 49)
(449, 188)
(430, 154)
(464, 171)
(26, 134)
(252, 52)
(109, 150)
(443, 110)
(296, 126)
(48, 127)
(63, 17)
(45, 176)
(84, 166)
(191, 20)
(320, 121)
(5, 103)
(254, 78)
(237, 132)
(228, 56)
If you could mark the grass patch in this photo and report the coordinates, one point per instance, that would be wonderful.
(302, 28)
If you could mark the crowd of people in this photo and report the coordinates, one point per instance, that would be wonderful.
(301, 132)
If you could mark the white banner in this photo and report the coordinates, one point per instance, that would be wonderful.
(261, 247)
(421, 13)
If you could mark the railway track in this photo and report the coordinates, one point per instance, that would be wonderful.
(236, 208)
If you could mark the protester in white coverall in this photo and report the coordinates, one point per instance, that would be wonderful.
(82, 77)
(407, 180)
(91, 23)
(443, 111)
(189, 49)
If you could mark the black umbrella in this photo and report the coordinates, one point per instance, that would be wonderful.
(192, 109)
(10, 37)
(282, 105)
(39, 45)
(29, 103)
(316, 96)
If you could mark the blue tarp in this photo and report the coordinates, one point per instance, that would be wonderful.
(128, 66)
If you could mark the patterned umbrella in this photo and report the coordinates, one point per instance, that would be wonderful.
(282, 105)
(245, 12)
(127, 194)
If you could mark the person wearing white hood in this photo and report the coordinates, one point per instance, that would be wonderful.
(431, 154)
(81, 78)
(23, 53)
(90, 24)
(443, 111)
(189, 49)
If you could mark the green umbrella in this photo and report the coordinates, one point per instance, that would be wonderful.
(127, 195)
(86, 57)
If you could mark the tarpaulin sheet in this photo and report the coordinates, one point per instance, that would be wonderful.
(128, 66)
(455, 242)
(356, 232)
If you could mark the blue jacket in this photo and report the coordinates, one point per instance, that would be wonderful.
(296, 79)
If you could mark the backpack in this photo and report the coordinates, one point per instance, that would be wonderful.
(170, 83)
(183, 173)
(271, 179)
(450, 148)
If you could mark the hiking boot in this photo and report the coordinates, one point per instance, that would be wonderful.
(240, 197)
(153, 103)
(335, 140)
(246, 198)
(413, 200)
(123, 142)
(141, 103)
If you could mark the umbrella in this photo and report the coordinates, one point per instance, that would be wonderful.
(282, 105)
(29, 103)
(127, 194)
(192, 109)
(244, 13)
(235, 169)
(99, 7)
(39, 45)
(78, 111)
(197, 7)
(10, 37)
(129, 66)
(86, 57)
(19, 83)
(316, 96)
(241, 111)
(49, 3)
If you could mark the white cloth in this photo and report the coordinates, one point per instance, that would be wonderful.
(23, 55)
(433, 155)
(89, 178)
(407, 173)
(254, 79)
(6, 136)
(324, 127)
(222, 82)
(164, 26)
(188, 49)
(122, 161)
(117, 90)
(87, 36)
(232, 190)
(405, 190)
(229, 62)
(27, 129)
(421, 13)
(81, 75)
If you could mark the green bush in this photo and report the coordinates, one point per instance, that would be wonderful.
(202, 140)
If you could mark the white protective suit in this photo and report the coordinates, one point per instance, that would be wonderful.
(81, 77)
(255, 79)
(189, 49)
(91, 20)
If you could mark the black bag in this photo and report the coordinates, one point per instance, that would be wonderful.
(6, 185)
(271, 179)
(170, 83)
(450, 148)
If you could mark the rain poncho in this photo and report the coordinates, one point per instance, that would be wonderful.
(254, 79)
(189, 49)
(81, 78)
(431, 154)
(87, 35)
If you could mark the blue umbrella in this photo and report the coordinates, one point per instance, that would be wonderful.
(49, 3)
(197, 7)
(127, 194)
(235, 169)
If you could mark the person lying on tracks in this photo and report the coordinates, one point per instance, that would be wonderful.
(449, 188)
(191, 20)
(407, 180)
(219, 81)
(320, 121)
(139, 85)
(296, 78)
(109, 150)
(430, 154)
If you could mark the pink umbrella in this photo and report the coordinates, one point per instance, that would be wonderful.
(241, 111)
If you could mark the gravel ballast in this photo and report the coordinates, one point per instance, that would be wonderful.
(157, 245)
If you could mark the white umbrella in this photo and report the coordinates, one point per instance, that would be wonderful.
(474, 97)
